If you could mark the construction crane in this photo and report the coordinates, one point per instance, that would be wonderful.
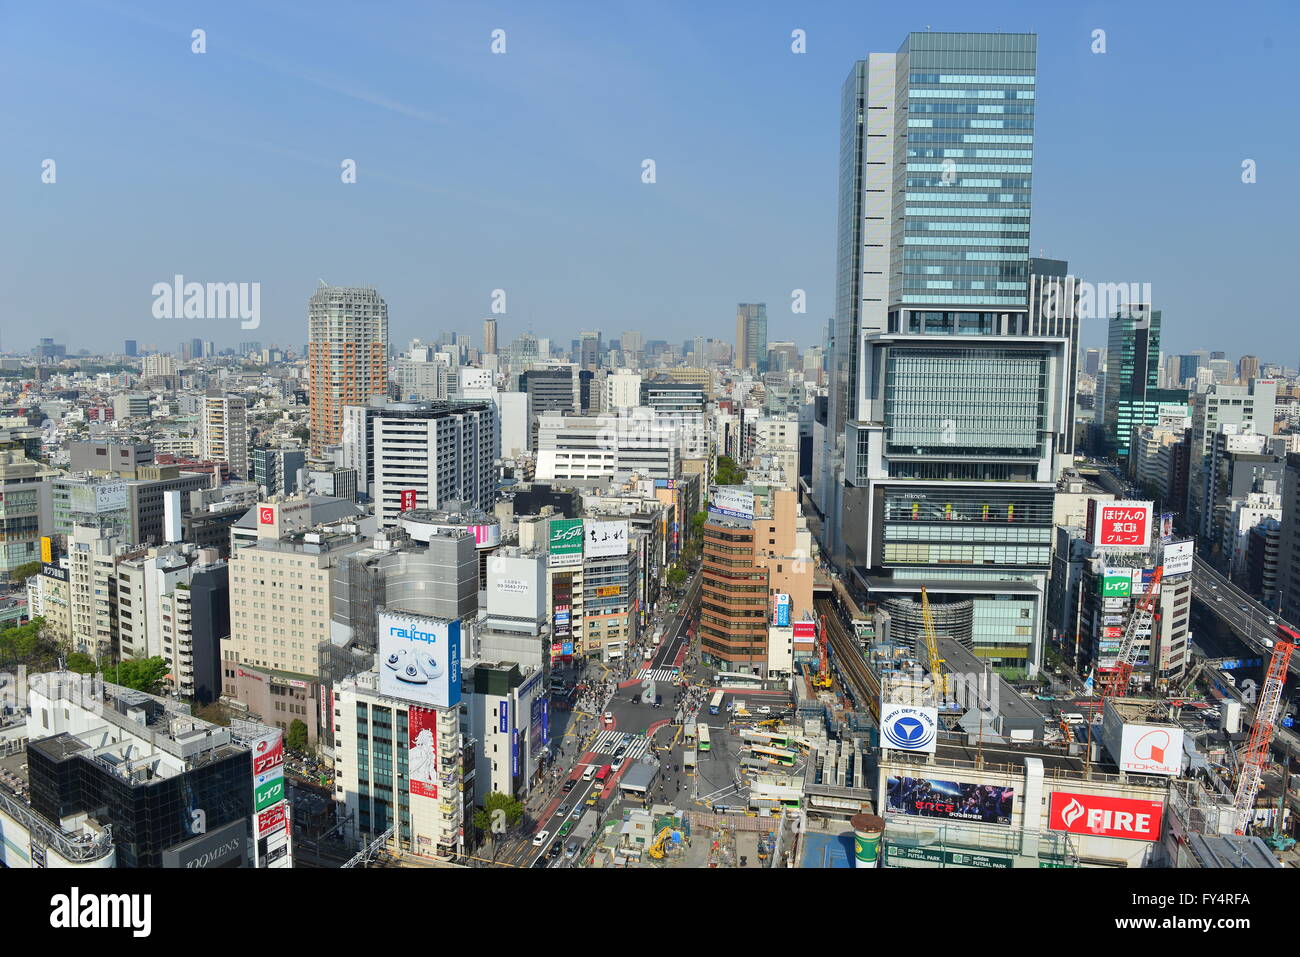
(932, 647)
(1255, 758)
(1141, 618)
(657, 848)
(823, 677)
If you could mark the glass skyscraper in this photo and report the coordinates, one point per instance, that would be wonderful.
(1132, 397)
(950, 396)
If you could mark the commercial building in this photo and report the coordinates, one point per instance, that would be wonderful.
(105, 458)
(347, 356)
(1133, 397)
(276, 470)
(598, 447)
(22, 482)
(424, 455)
(132, 765)
(1249, 407)
(751, 336)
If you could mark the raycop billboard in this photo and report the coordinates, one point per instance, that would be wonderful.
(419, 658)
(951, 800)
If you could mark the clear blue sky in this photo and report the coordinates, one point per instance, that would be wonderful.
(523, 171)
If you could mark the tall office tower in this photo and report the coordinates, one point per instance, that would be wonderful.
(489, 337)
(196, 348)
(347, 356)
(1247, 369)
(225, 431)
(1133, 395)
(129, 348)
(589, 349)
(1092, 361)
(633, 345)
(1218, 355)
(947, 403)
(751, 336)
(1188, 366)
(1053, 312)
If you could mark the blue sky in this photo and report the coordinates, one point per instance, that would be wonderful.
(522, 171)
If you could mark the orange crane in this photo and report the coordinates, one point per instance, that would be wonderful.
(823, 678)
(1142, 618)
(1255, 758)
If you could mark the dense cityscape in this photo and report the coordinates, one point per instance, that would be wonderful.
(974, 572)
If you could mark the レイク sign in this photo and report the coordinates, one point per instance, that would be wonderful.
(1105, 816)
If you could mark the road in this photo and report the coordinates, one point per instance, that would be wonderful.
(1249, 619)
(649, 727)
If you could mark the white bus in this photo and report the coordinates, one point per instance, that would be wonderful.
(716, 704)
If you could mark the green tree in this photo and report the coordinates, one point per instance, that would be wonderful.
(296, 739)
(697, 524)
(81, 663)
(24, 571)
(728, 472)
(499, 815)
(142, 674)
(677, 575)
(24, 643)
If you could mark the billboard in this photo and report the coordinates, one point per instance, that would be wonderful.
(272, 819)
(1178, 557)
(111, 496)
(1143, 579)
(1166, 526)
(268, 754)
(220, 848)
(732, 502)
(566, 537)
(266, 515)
(805, 631)
(782, 611)
(906, 728)
(609, 591)
(951, 800)
(422, 742)
(419, 658)
(407, 499)
(47, 550)
(1119, 524)
(485, 536)
(1105, 816)
(1142, 748)
(604, 538)
(268, 789)
(1116, 582)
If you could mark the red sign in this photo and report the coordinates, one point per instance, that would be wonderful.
(805, 629)
(272, 819)
(268, 755)
(408, 499)
(266, 515)
(1112, 632)
(422, 768)
(1121, 524)
(1105, 816)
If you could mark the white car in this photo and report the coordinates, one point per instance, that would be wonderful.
(763, 709)
(609, 716)
(540, 838)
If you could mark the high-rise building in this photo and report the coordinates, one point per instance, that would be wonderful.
(751, 336)
(589, 350)
(633, 344)
(1053, 311)
(1133, 397)
(129, 348)
(347, 356)
(428, 453)
(948, 393)
(1247, 369)
(489, 337)
(225, 431)
(1092, 361)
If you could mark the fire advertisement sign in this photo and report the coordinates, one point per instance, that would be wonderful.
(422, 727)
(1105, 816)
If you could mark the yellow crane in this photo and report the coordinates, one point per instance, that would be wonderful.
(932, 646)
(657, 848)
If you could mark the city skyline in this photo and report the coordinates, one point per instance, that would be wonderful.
(266, 188)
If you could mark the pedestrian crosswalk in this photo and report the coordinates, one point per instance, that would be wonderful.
(607, 742)
(657, 674)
